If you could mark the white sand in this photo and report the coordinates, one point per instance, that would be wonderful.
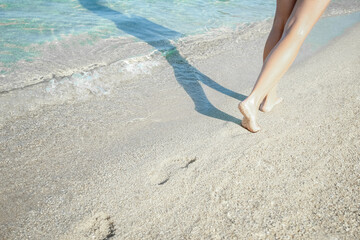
(78, 172)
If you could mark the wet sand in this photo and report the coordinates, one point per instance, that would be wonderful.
(78, 171)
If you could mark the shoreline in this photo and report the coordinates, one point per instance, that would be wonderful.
(170, 172)
(103, 78)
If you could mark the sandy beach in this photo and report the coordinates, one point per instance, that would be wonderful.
(83, 170)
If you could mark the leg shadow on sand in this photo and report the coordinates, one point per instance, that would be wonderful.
(159, 37)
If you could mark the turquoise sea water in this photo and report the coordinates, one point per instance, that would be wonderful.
(36, 21)
(41, 39)
(27, 22)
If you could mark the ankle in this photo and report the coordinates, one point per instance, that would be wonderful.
(252, 101)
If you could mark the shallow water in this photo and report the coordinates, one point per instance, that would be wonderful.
(29, 22)
(24, 23)
(325, 30)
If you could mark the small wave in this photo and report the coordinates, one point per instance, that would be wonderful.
(98, 81)
(81, 82)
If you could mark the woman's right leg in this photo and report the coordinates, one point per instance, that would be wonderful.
(303, 17)
(282, 14)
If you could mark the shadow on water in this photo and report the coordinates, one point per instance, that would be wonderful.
(159, 37)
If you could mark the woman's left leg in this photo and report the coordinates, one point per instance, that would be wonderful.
(303, 17)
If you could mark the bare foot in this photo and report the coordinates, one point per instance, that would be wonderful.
(249, 110)
(269, 103)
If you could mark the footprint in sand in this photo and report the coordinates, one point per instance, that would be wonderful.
(230, 130)
(98, 227)
(170, 167)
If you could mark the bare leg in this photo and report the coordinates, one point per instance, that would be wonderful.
(283, 11)
(303, 17)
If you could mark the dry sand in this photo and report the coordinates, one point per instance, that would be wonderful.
(78, 172)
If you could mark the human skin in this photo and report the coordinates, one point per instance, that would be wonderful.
(282, 14)
(293, 21)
